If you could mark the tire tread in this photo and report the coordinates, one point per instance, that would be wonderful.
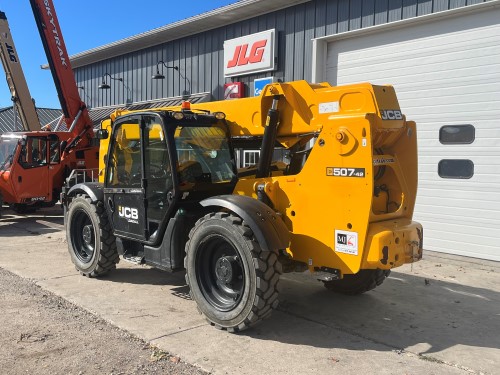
(267, 268)
(108, 254)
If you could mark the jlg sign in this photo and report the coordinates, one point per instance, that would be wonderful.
(249, 54)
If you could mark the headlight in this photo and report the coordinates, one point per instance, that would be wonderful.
(178, 115)
(220, 115)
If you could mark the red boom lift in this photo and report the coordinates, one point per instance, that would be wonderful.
(34, 164)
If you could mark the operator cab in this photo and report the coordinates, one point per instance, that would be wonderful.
(25, 160)
(162, 163)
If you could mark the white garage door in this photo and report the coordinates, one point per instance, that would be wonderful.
(446, 72)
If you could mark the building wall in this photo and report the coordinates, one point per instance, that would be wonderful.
(199, 57)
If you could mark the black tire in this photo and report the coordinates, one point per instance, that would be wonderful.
(231, 278)
(91, 244)
(361, 282)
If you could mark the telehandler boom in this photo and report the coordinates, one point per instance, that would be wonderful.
(169, 195)
(22, 102)
(34, 164)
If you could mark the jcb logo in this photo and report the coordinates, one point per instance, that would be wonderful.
(241, 58)
(128, 212)
(391, 114)
(12, 54)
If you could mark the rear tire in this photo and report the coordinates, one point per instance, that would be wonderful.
(91, 244)
(361, 282)
(231, 278)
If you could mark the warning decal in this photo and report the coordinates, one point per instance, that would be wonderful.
(346, 242)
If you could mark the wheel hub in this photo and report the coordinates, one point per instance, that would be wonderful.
(225, 269)
(88, 234)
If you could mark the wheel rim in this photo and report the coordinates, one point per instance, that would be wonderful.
(82, 236)
(220, 273)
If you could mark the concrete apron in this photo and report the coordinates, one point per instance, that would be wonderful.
(440, 316)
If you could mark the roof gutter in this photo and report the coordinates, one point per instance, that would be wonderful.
(241, 10)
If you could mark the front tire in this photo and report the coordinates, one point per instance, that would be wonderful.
(361, 282)
(231, 278)
(91, 244)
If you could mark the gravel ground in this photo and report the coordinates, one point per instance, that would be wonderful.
(42, 334)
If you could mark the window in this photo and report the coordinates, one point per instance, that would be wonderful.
(8, 147)
(34, 152)
(456, 168)
(457, 134)
(250, 158)
(158, 172)
(125, 158)
(54, 149)
(203, 155)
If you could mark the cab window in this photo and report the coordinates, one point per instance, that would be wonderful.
(203, 155)
(33, 153)
(54, 151)
(124, 167)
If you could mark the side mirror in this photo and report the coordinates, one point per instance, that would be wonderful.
(102, 134)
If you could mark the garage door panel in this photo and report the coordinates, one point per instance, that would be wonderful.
(424, 160)
(472, 233)
(453, 192)
(464, 202)
(433, 61)
(470, 249)
(413, 77)
(446, 72)
(486, 223)
(452, 214)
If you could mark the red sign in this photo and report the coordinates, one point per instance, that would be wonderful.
(249, 54)
(234, 90)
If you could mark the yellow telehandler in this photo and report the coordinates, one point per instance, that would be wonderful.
(169, 195)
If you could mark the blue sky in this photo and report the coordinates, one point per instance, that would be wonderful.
(85, 25)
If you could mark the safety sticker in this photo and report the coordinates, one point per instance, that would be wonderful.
(329, 107)
(346, 242)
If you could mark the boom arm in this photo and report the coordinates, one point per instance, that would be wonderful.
(15, 78)
(74, 109)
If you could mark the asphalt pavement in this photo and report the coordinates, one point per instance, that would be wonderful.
(438, 316)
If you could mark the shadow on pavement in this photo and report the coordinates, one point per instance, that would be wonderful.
(43, 221)
(149, 276)
(404, 312)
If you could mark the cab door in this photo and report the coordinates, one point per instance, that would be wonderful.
(139, 189)
(31, 177)
(124, 193)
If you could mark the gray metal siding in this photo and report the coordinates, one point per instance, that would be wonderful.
(199, 56)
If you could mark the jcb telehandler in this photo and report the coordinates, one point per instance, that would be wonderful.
(169, 195)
